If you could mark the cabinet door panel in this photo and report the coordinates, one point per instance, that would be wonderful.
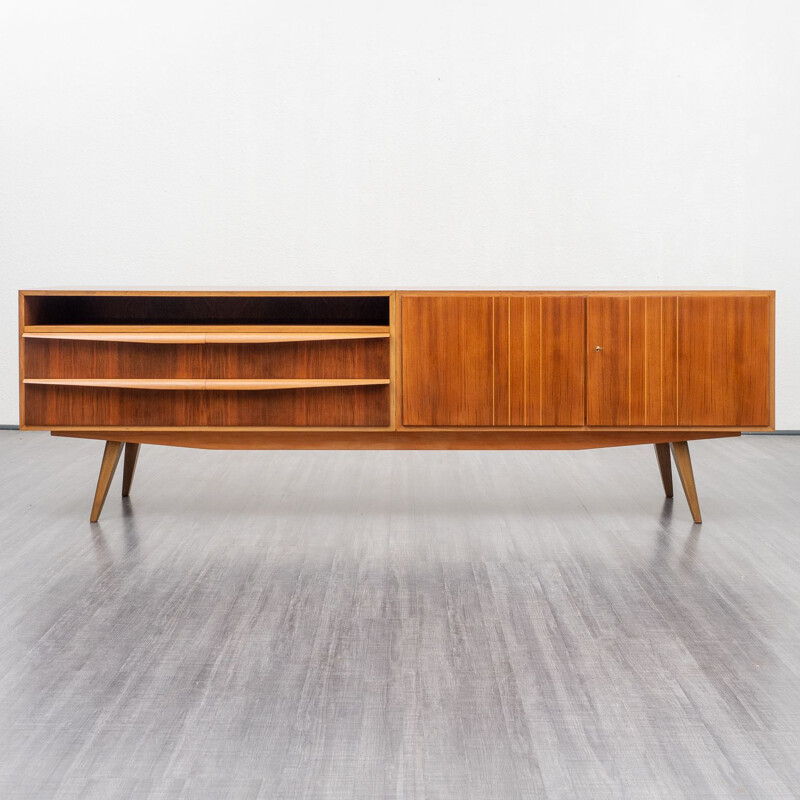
(493, 361)
(541, 368)
(678, 360)
(447, 352)
(608, 368)
(631, 379)
(724, 370)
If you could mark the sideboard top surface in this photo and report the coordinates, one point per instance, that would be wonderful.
(382, 291)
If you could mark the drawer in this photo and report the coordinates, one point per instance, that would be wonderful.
(67, 358)
(314, 377)
(332, 406)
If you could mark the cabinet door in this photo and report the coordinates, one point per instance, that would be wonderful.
(678, 360)
(447, 355)
(472, 360)
(725, 360)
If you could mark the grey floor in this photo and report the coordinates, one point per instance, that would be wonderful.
(399, 625)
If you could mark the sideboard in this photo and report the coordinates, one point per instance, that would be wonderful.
(396, 370)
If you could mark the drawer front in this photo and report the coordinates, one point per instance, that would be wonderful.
(69, 406)
(63, 358)
(326, 406)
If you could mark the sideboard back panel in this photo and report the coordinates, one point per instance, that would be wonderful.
(203, 309)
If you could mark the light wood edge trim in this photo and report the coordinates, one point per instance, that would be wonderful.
(599, 293)
(385, 440)
(112, 430)
(675, 434)
(772, 361)
(581, 428)
(393, 339)
(208, 292)
(21, 323)
(585, 364)
(401, 367)
(206, 329)
(221, 384)
(385, 292)
(205, 338)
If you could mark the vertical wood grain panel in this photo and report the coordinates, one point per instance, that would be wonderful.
(652, 361)
(562, 361)
(533, 366)
(724, 360)
(669, 362)
(518, 360)
(638, 362)
(447, 354)
(495, 361)
(501, 322)
(633, 379)
(653, 385)
(546, 372)
(608, 370)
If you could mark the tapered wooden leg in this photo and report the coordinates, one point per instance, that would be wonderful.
(107, 469)
(683, 462)
(665, 465)
(129, 467)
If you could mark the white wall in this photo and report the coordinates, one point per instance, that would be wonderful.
(247, 143)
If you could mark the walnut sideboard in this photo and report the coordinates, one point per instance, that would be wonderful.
(397, 370)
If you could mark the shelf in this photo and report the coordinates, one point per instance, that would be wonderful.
(208, 310)
(201, 384)
(162, 334)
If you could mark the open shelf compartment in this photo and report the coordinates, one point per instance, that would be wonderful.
(206, 310)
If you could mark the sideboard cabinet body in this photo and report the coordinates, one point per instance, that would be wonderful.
(397, 369)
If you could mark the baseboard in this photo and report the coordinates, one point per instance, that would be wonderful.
(771, 433)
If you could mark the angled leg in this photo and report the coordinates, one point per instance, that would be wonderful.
(680, 452)
(107, 469)
(665, 465)
(129, 467)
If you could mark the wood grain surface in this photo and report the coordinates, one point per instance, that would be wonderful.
(55, 406)
(559, 359)
(447, 360)
(201, 337)
(494, 361)
(253, 439)
(683, 360)
(358, 358)
(209, 384)
(724, 360)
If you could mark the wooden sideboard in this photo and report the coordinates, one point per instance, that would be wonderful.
(397, 370)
